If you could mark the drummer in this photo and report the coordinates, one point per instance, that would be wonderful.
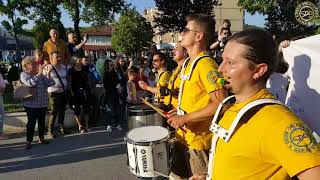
(199, 96)
(270, 142)
(162, 79)
(171, 92)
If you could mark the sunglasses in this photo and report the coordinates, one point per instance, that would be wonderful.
(185, 30)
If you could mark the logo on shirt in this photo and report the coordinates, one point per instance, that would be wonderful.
(299, 138)
(307, 13)
(212, 76)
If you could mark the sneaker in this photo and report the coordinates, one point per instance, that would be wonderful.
(109, 129)
(51, 135)
(28, 145)
(43, 141)
(82, 131)
(119, 127)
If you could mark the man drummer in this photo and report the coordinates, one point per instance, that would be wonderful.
(159, 63)
(199, 96)
(269, 142)
(171, 92)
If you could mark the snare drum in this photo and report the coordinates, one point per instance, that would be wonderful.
(148, 151)
(142, 115)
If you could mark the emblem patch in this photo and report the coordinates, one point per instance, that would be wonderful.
(299, 138)
(212, 76)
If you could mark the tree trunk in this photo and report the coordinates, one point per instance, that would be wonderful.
(76, 21)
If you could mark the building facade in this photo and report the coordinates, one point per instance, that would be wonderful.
(8, 43)
(99, 41)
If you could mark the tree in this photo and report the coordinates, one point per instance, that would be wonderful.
(281, 20)
(98, 12)
(131, 33)
(172, 13)
(47, 12)
(282, 23)
(15, 24)
(40, 34)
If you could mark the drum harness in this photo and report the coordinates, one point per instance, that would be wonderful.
(220, 132)
(186, 77)
(157, 99)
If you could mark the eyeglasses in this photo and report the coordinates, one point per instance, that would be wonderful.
(185, 30)
(156, 60)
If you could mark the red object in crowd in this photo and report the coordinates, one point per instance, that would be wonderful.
(40, 62)
(140, 78)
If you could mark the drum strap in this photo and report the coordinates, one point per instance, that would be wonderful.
(220, 132)
(186, 77)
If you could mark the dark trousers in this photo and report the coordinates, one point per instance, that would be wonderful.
(59, 102)
(33, 115)
(116, 114)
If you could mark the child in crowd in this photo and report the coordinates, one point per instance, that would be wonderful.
(39, 57)
(131, 88)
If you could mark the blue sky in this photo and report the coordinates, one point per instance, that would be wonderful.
(140, 5)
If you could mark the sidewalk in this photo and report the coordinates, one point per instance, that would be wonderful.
(17, 122)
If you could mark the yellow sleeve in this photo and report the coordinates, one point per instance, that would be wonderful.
(289, 142)
(164, 79)
(208, 73)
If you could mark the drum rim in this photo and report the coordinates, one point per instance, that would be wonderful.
(130, 141)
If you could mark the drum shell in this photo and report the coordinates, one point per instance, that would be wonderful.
(139, 118)
(148, 157)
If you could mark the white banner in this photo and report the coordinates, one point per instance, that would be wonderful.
(303, 96)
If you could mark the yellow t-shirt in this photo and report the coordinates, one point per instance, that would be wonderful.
(273, 144)
(173, 86)
(195, 96)
(163, 80)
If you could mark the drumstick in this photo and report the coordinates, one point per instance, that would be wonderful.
(160, 111)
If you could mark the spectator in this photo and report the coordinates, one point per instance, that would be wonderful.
(219, 45)
(74, 48)
(10, 58)
(80, 90)
(35, 107)
(55, 44)
(101, 62)
(57, 93)
(39, 57)
(131, 88)
(152, 51)
(112, 87)
(2, 115)
(95, 92)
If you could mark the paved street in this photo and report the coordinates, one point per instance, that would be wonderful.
(96, 155)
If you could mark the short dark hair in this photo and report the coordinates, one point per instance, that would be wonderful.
(227, 21)
(261, 48)
(207, 24)
(162, 57)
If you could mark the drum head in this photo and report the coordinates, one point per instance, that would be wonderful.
(147, 134)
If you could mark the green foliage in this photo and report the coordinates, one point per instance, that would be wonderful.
(47, 12)
(40, 34)
(14, 25)
(131, 33)
(101, 12)
(173, 13)
(260, 6)
(281, 21)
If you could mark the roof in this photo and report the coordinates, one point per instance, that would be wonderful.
(96, 47)
(100, 31)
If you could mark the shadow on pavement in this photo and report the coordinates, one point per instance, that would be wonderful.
(63, 150)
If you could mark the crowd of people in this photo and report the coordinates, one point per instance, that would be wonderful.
(262, 145)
